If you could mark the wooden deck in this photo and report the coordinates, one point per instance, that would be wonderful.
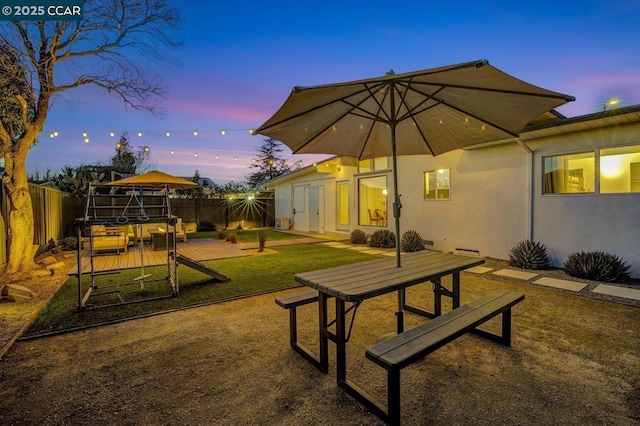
(196, 249)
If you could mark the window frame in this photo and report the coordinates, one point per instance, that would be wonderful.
(424, 185)
(597, 172)
(368, 222)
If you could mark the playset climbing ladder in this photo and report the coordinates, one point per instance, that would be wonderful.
(118, 207)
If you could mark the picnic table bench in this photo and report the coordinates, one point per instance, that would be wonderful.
(405, 348)
(292, 302)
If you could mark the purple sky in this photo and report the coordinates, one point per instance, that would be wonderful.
(240, 60)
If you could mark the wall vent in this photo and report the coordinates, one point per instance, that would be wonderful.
(467, 252)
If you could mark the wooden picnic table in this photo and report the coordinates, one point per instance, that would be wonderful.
(357, 282)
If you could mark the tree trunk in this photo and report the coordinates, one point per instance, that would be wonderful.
(20, 218)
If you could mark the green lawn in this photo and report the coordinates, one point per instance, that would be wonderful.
(248, 235)
(249, 275)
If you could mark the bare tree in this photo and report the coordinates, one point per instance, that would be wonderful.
(108, 49)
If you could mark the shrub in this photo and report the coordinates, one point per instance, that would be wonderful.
(597, 266)
(222, 235)
(359, 237)
(70, 243)
(262, 239)
(411, 241)
(232, 237)
(529, 255)
(383, 238)
(205, 226)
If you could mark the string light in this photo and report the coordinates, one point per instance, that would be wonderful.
(168, 133)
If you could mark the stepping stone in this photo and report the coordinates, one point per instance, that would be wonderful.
(332, 243)
(390, 253)
(479, 269)
(336, 245)
(563, 284)
(358, 248)
(370, 251)
(612, 290)
(515, 274)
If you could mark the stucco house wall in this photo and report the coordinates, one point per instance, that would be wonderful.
(587, 222)
(487, 210)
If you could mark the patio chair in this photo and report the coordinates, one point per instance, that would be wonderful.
(375, 220)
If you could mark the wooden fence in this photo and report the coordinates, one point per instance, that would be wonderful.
(54, 212)
(223, 213)
(47, 215)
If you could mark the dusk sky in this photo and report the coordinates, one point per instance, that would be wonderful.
(240, 60)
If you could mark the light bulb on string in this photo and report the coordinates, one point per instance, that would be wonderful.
(223, 132)
(195, 133)
(139, 134)
(112, 134)
(172, 152)
(168, 133)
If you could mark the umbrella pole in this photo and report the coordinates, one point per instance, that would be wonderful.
(397, 206)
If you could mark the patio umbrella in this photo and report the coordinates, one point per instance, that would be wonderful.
(423, 112)
(156, 178)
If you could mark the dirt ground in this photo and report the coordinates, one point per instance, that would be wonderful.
(573, 361)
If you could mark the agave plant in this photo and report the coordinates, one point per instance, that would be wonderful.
(411, 241)
(383, 238)
(597, 266)
(529, 254)
(358, 237)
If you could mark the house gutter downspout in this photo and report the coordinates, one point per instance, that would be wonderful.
(530, 180)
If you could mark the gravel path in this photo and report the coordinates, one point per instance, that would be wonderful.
(573, 360)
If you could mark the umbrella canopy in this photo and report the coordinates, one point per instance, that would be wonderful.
(423, 112)
(155, 178)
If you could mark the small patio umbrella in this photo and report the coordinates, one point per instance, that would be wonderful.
(423, 112)
(155, 178)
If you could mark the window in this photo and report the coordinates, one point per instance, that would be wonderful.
(372, 201)
(437, 184)
(620, 169)
(616, 170)
(567, 174)
(370, 165)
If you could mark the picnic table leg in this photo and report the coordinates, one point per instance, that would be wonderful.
(323, 333)
(341, 344)
(437, 297)
(400, 313)
(456, 290)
